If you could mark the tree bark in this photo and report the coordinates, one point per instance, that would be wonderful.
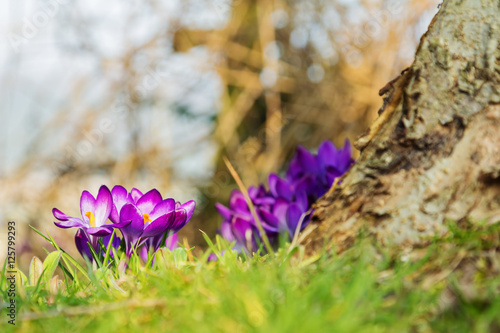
(434, 152)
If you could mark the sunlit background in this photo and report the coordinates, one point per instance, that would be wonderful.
(151, 94)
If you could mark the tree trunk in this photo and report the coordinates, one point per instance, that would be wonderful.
(434, 152)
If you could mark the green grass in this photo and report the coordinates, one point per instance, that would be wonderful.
(451, 285)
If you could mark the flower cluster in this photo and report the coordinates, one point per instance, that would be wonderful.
(144, 220)
(287, 203)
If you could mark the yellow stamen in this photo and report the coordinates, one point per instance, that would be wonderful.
(91, 217)
(146, 218)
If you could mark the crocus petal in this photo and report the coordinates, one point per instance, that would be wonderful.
(116, 242)
(148, 201)
(268, 220)
(81, 244)
(226, 232)
(294, 214)
(307, 160)
(237, 202)
(295, 170)
(100, 231)
(68, 221)
(171, 242)
(60, 215)
(327, 154)
(72, 223)
(103, 206)
(340, 159)
(180, 220)
(302, 201)
(262, 190)
(119, 196)
(154, 243)
(304, 184)
(189, 208)
(273, 183)
(263, 197)
(164, 207)
(114, 216)
(133, 230)
(87, 204)
(331, 174)
(129, 212)
(134, 195)
(242, 231)
(159, 226)
(280, 209)
(119, 225)
(279, 187)
(223, 211)
(345, 159)
(143, 253)
(253, 192)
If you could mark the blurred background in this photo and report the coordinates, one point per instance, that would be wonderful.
(152, 93)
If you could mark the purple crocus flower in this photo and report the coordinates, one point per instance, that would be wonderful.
(291, 202)
(316, 173)
(288, 200)
(154, 243)
(334, 163)
(143, 219)
(239, 225)
(95, 212)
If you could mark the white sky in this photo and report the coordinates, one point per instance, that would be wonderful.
(39, 70)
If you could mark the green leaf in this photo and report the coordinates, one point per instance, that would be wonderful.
(180, 256)
(3, 276)
(67, 269)
(50, 264)
(23, 279)
(36, 269)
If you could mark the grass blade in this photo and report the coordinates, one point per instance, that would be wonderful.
(244, 190)
(96, 258)
(108, 250)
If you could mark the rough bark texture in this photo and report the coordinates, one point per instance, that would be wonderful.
(434, 152)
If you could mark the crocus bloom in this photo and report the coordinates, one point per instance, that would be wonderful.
(239, 225)
(143, 219)
(316, 174)
(95, 213)
(288, 201)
